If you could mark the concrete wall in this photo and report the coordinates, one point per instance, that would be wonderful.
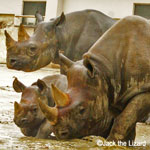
(51, 9)
(14, 6)
(8, 21)
(11, 6)
(112, 8)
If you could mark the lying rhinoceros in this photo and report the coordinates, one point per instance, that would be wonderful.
(73, 34)
(27, 114)
(109, 90)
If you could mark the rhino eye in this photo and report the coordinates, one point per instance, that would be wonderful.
(82, 110)
(34, 109)
(32, 50)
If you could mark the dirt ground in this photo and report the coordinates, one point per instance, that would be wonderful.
(12, 139)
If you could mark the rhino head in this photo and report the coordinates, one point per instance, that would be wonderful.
(83, 109)
(37, 51)
(27, 113)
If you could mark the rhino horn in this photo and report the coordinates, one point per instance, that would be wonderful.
(17, 107)
(9, 40)
(61, 99)
(65, 62)
(22, 34)
(51, 113)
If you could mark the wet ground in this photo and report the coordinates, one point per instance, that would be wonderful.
(12, 139)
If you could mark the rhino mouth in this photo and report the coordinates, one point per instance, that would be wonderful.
(20, 65)
(23, 122)
(16, 66)
(14, 63)
(24, 125)
(63, 134)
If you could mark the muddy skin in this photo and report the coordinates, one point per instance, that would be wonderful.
(51, 37)
(112, 86)
(28, 116)
(85, 115)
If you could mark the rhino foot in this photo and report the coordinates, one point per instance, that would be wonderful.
(115, 137)
(148, 120)
(123, 128)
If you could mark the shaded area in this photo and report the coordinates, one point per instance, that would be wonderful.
(12, 138)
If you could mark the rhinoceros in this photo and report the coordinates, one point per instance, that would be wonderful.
(109, 89)
(72, 34)
(27, 114)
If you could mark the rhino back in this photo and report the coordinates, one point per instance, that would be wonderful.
(59, 80)
(81, 30)
(122, 54)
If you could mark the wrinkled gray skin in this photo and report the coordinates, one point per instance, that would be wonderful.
(72, 34)
(110, 91)
(28, 115)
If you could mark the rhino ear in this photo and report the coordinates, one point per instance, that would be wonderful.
(38, 17)
(90, 68)
(65, 62)
(9, 40)
(41, 85)
(22, 34)
(18, 86)
(60, 20)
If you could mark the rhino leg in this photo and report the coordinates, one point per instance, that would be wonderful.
(148, 120)
(44, 131)
(124, 125)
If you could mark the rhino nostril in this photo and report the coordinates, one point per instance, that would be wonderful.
(24, 120)
(13, 61)
(64, 133)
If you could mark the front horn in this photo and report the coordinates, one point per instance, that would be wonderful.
(51, 113)
(61, 99)
(9, 40)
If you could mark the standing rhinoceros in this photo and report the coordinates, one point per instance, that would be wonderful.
(110, 90)
(73, 34)
(27, 114)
